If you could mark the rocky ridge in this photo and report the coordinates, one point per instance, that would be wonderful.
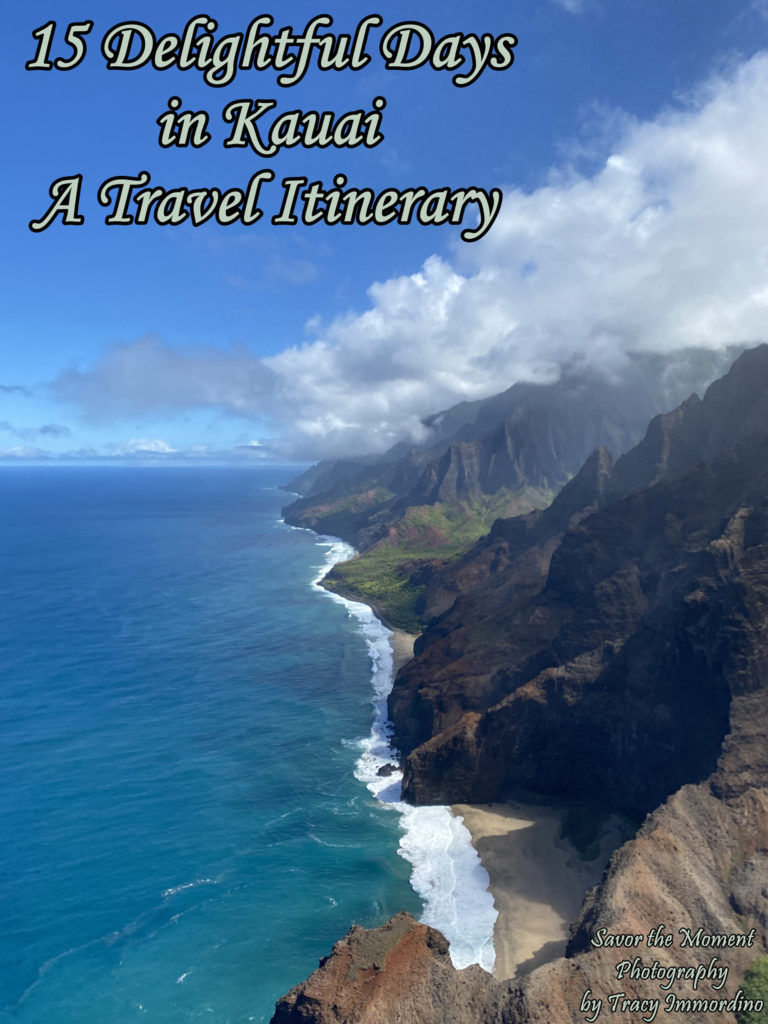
(532, 436)
(591, 637)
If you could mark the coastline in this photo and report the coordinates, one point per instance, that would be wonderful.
(533, 880)
(349, 595)
(446, 871)
(537, 878)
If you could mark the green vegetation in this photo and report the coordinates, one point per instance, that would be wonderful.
(387, 575)
(360, 501)
(755, 986)
(383, 579)
(341, 515)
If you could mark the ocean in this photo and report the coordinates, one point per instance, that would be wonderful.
(191, 729)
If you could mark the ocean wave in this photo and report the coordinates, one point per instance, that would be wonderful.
(176, 889)
(446, 871)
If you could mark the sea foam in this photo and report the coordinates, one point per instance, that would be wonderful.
(446, 871)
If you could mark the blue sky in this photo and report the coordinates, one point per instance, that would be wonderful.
(629, 141)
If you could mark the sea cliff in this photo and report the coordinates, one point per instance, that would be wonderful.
(612, 646)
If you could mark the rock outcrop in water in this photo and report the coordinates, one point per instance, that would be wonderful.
(612, 646)
(389, 975)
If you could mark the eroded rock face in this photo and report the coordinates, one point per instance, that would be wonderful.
(694, 864)
(397, 974)
(618, 676)
(616, 643)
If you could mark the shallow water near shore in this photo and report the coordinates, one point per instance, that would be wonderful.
(446, 871)
(183, 717)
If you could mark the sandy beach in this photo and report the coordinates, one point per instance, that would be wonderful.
(402, 647)
(537, 878)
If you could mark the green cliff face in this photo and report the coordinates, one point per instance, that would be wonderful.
(394, 574)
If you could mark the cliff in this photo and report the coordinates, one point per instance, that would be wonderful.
(529, 436)
(612, 646)
(415, 509)
(573, 669)
(700, 860)
(398, 973)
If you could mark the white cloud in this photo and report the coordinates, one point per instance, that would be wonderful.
(663, 247)
(149, 374)
(144, 446)
(23, 452)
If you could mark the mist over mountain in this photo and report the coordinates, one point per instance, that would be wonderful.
(529, 438)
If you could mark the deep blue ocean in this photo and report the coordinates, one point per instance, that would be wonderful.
(183, 835)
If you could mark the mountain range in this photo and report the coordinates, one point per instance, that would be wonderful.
(531, 437)
(611, 647)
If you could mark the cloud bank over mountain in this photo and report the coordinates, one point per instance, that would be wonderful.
(663, 247)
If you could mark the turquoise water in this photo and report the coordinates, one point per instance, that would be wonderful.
(183, 835)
